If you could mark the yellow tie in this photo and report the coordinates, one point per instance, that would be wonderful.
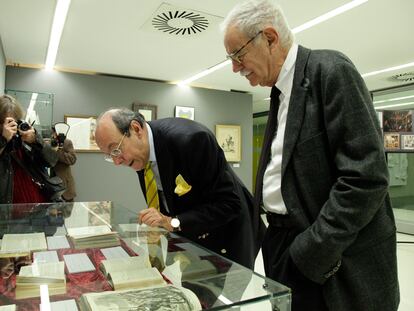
(151, 188)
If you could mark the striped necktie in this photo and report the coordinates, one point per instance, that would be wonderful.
(151, 188)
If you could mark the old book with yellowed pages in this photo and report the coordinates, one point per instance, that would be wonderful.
(24, 242)
(31, 277)
(167, 297)
(124, 264)
(93, 237)
(136, 278)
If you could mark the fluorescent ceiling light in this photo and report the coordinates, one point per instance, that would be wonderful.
(387, 69)
(392, 99)
(393, 106)
(59, 19)
(307, 25)
(205, 72)
(329, 15)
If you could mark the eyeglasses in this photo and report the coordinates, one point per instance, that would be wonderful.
(115, 152)
(236, 55)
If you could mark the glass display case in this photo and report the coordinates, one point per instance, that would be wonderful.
(38, 108)
(65, 256)
(395, 107)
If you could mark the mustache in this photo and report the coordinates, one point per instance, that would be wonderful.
(244, 72)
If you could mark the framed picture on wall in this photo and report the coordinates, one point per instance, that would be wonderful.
(184, 112)
(407, 141)
(229, 139)
(148, 111)
(82, 132)
(392, 141)
(397, 120)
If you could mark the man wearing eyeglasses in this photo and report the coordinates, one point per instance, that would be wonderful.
(197, 193)
(322, 178)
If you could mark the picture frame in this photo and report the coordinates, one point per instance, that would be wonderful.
(397, 121)
(184, 112)
(229, 139)
(82, 132)
(407, 141)
(392, 141)
(148, 111)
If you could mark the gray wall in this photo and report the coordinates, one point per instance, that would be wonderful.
(2, 68)
(90, 95)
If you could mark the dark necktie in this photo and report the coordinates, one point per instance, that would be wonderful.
(270, 132)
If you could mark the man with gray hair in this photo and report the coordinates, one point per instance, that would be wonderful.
(188, 185)
(322, 178)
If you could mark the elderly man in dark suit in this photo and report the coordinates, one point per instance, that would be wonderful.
(197, 193)
(322, 177)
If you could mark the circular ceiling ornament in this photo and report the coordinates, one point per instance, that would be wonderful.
(180, 22)
(404, 77)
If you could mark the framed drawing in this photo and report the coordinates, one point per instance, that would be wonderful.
(397, 121)
(229, 139)
(148, 111)
(392, 141)
(407, 141)
(82, 132)
(184, 112)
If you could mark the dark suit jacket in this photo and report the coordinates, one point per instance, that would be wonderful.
(216, 213)
(335, 185)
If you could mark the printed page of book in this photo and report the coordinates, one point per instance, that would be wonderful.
(78, 263)
(88, 231)
(137, 278)
(125, 264)
(114, 252)
(24, 242)
(63, 305)
(57, 242)
(149, 299)
(38, 272)
(47, 256)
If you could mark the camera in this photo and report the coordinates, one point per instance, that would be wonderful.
(58, 140)
(23, 125)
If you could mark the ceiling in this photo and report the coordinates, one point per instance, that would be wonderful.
(118, 37)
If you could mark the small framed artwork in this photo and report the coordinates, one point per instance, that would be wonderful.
(407, 141)
(184, 112)
(392, 141)
(229, 139)
(397, 120)
(82, 132)
(148, 111)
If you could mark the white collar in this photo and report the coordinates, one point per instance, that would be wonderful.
(283, 81)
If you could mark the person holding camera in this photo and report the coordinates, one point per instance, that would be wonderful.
(66, 158)
(22, 154)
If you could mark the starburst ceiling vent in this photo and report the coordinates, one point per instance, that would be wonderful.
(175, 21)
(403, 77)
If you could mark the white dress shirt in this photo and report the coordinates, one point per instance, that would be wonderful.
(272, 179)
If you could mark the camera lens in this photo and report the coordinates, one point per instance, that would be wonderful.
(23, 126)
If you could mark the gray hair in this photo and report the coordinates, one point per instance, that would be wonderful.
(122, 118)
(252, 16)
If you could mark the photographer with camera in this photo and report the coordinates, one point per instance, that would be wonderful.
(66, 158)
(23, 155)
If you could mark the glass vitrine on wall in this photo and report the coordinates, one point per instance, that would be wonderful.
(395, 109)
(38, 108)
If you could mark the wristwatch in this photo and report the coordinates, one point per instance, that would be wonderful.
(175, 223)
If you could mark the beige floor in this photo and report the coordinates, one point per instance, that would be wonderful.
(405, 257)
